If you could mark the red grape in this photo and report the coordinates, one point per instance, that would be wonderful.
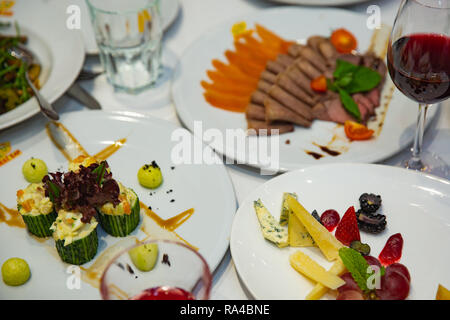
(372, 261)
(400, 268)
(350, 295)
(330, 219)
(394, 286)
(350, 284)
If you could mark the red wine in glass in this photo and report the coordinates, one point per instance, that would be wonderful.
(419, 65)
(164, 293)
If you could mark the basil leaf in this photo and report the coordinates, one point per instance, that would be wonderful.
(344, 68)
(345, 80)
(364, 79)
(349, 104)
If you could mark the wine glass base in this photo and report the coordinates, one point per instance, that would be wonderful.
(428, 163)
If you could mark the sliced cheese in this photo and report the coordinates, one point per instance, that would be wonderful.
(326, 241)
(298, 235)
(311, 269)
(270, 227)
(319, 289)
(284, 215)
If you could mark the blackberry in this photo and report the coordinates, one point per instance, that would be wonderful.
(370, 202)
(371, 223)
(316, 216)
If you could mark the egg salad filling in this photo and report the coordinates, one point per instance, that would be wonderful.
(32, 200)
(127, 199)
(69, 227)
(81, 161)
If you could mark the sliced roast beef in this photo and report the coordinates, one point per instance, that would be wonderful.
(315, 59)
(351, 58)
(285, 60)
(290, 86)
(364, 109)
(264, 86)
(363, 99)
(256, 112)
(290, 101)
(314, 41)
(320, 112)
(327, 50)
(336, 111)
(258, 97)
(307, 68)
(255, 126)
(275, 67)
(268, 76)
(275, 111)
(300, 79)
(294, 50)
(374, 97)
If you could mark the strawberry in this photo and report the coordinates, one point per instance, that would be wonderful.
(347, 229)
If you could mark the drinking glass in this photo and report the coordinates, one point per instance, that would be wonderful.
(419, 65)
(180, 273)
(128, 35)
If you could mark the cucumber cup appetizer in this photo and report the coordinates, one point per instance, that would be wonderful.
(36, 209)
(76, 241)
(121, 219)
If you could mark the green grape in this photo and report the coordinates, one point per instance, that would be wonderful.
(150, 176)
(34, 170)
(144, 257)
(15, 272)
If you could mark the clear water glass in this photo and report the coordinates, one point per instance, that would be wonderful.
(128, 35)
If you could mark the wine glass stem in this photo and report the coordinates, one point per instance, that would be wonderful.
(416, 162)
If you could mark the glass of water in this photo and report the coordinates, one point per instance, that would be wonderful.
(128, 34)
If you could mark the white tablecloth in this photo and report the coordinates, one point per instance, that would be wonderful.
(194, 18)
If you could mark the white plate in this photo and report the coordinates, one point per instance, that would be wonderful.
(168, 8)
(59, 50)
(321, 2)
(415, 204)
(290, 23)
(206, 188)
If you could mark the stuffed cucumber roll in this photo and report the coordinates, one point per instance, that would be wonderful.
(76, 241)
(36, 209)
(121, 219)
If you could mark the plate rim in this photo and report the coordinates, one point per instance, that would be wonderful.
(329, 166)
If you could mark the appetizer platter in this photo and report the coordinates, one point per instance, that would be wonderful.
(325, 90)
(78, 194)
(304, 235)
(59, 53)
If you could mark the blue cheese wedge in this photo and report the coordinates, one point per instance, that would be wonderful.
(270, 227)
(284, 215)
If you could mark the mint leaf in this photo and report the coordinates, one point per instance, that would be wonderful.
(344, 68)
(356, 265)
(364, 79)
(349, 104)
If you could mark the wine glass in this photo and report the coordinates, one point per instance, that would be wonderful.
(419, 65)
(157, 270)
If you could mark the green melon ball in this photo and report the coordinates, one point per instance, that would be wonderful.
(144, 257)
(150, 176)
(34, 170)
(15, 272)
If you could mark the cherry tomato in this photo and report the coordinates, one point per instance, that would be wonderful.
(357, 131)
(319, 84)
(343, 40)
